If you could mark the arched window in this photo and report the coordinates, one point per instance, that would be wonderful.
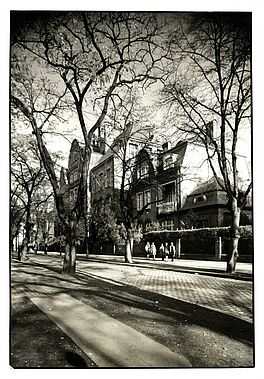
(140, 225)
(148, 226)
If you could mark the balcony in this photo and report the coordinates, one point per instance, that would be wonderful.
(167, 207)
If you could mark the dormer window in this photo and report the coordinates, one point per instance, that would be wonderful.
(168, 163)
(200, 199)
(133, 149)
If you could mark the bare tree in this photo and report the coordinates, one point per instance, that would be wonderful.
(209, 96)
(95, 55)
(132, 169)
(39, 103)
(27, 182)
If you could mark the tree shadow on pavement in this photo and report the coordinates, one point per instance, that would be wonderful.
(35, 341)
(134, 297)
(180, 311)
(123, 302)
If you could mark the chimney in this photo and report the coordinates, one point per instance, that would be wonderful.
(62, 178)
(102, 144)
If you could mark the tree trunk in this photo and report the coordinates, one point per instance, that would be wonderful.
(23, 251)
(45, 248)
(69, 263)
(86, 244)
(233, 254)
(24, 248)
(129, 250)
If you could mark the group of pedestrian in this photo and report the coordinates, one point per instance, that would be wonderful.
(166, 252)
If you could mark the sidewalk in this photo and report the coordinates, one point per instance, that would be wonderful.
(105, 340)
(127, 326)
(214, 268)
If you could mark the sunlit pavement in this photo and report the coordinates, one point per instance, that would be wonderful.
(230, 296)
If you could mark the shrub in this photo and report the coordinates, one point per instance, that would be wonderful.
(197, 234)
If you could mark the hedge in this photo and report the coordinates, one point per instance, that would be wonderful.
(197, 234)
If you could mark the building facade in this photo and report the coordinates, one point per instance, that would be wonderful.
(70, 179)
(171, 185)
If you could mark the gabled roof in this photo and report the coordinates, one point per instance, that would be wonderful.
(179, 149)
(115, 146)
(130, 132)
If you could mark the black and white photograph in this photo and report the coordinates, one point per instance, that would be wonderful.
(130, 189)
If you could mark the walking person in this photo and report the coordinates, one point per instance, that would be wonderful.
(166, 251)
(162, 252)
(147, 249)
(172, 251)
(153, 250)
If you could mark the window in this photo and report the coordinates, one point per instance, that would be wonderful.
(143, 171)
(95, 183)
(140, 226)
(201, 224)
(75, 175)
(71, 195)
(74, 156)
(200, 199)
(101, 179)
(139, 201)
(108, 178)
(167, 224)
(169, 192)
(75, 193)
(168, 163)
(148, 226)
(147, 198)
(171, 196)
(133, 149)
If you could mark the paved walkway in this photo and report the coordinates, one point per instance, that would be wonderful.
(226, 295)
(216, 268)
(233, 297)
(107, 341)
